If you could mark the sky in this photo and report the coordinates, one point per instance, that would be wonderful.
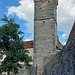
(23, 13)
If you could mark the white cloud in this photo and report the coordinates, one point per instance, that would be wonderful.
(64, 43)
(63, 35)
(66, 16)
(27, 39)
(24, 11)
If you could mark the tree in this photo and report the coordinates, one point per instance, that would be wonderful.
(11, 45)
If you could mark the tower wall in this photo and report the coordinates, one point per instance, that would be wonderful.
(45, 31)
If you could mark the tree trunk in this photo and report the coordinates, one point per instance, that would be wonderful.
(8, 73)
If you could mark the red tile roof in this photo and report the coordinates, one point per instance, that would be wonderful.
(72, 34)
(28, 44)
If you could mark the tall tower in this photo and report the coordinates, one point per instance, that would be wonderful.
(45, 31)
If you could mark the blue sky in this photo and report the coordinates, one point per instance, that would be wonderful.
(23, 12)
(4, 6)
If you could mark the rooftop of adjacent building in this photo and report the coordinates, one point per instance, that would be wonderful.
(72, 34)
(29, 44)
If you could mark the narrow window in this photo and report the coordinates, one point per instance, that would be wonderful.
(43, 22)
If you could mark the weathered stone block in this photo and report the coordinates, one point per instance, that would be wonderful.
(63, 63)
(45, 35)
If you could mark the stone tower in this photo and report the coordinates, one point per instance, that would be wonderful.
(45, 31)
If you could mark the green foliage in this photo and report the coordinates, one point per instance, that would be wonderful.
(11, 45)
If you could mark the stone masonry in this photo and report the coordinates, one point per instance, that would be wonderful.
(45, 32)
(62, 63)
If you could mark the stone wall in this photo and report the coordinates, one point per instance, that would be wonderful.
(63, 63)
(45, 31)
